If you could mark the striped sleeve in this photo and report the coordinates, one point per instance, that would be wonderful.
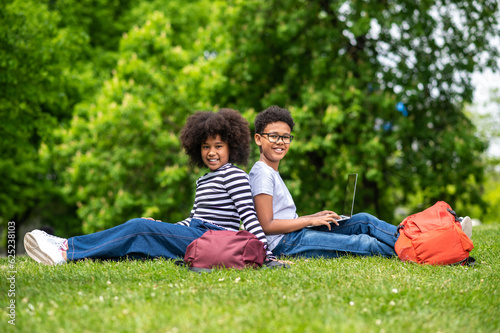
(185, 222)
(237, 186)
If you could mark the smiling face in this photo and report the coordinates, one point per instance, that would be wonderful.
(273, 153)
(214, 152)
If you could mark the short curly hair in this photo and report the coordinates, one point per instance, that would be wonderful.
(271, 115)
(228, 123)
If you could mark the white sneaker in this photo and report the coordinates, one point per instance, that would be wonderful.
(57, 241)
(45, 248)
(467, 226)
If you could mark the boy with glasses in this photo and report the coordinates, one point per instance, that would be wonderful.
(287, 233)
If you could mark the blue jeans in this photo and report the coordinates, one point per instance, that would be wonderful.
(138, 238)
(363, 234)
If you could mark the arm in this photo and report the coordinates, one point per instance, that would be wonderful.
(238, 188)
(264, 208)
(184, 222)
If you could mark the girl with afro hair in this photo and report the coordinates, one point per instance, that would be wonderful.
(223, 199)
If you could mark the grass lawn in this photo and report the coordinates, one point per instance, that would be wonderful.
(351, 294)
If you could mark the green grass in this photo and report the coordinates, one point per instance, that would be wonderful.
(351, 294)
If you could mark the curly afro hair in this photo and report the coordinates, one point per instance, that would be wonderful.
(228, 123)
(271, 115)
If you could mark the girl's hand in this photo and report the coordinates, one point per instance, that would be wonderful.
(150, 218)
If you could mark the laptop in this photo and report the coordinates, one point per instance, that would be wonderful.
(350, 194)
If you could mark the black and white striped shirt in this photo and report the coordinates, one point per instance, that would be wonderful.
(223, 197)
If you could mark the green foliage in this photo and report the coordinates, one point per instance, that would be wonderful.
(94, 94)
(492, 195)
(342, 68)
(350, 294)
(123, 153)
(488, 126)
(102, 20)
(36, 93)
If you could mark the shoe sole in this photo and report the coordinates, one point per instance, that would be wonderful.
(33, 250)
(467, 227)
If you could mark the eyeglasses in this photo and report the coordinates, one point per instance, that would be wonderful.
(273, 138)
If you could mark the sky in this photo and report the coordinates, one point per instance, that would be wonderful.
(482, 104)
(484, 83)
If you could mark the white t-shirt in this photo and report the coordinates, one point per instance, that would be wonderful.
(266, 180)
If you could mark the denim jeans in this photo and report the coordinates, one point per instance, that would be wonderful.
(138, 238)
(363, 234)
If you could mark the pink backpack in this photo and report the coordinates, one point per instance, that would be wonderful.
(225, 249)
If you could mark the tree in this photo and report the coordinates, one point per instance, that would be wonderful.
(51, 58)
(36, 94)
(121, 156)
(375, 87)
(487, 121)
(94, 93)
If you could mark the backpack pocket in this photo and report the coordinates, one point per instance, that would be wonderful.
(442, 246)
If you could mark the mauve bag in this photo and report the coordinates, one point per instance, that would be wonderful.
(225, 249)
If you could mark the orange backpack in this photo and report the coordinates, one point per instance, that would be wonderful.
(433, 236)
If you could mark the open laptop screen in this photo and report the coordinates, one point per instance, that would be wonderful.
(350, 194)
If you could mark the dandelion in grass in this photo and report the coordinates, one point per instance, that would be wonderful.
(351, 303)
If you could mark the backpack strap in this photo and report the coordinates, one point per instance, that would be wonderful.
(401, 226)
(182, 263)
(273, 264)
(467, 262)
(452, 212)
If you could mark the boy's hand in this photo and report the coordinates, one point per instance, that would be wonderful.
(324, 218)
(323, 213)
